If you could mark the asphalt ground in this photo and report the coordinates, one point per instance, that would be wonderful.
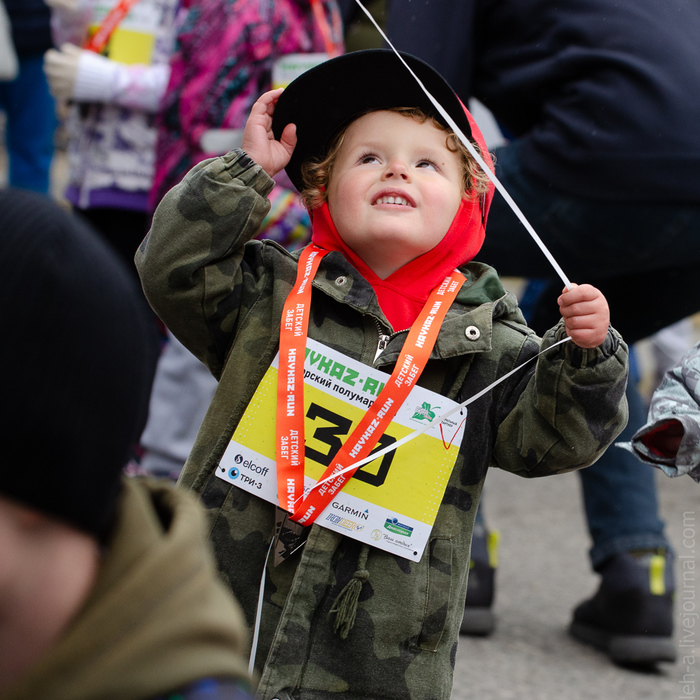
(543, 573)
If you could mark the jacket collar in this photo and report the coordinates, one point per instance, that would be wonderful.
(468, 326)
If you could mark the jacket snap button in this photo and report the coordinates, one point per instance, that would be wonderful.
(472, 333)
(340, 281)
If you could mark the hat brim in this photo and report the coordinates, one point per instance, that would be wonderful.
(329, 96)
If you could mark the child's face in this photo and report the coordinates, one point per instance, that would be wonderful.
(394, 189)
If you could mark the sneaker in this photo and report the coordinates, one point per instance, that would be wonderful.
(478, 619)
(631, 615)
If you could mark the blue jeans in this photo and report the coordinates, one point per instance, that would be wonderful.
(31, 122)
(645, 258)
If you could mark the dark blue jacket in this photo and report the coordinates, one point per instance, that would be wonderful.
(31, 26)
(603, 94)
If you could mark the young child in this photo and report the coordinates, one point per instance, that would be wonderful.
(397, 204)
(670, 440)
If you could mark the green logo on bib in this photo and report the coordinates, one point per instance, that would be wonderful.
(425, 412)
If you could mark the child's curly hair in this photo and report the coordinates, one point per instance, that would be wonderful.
(317, 172)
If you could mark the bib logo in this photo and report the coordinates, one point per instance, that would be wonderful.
(250, 466)
(344, 522)
(393, 525)
(376, 535)
(425, 412)
(233, 473)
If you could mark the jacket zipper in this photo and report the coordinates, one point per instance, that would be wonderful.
(381, 346)
(383, 340)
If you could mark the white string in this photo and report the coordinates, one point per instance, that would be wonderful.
(436, 421)
(477, 156)
(258, 614)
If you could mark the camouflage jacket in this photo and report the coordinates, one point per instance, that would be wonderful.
(223, 298)
(677, 398)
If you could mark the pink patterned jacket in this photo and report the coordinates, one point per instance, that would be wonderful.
(222, 63)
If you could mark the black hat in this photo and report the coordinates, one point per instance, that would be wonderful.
(78, 357)
(329, 96)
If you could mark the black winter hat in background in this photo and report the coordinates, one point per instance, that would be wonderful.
(77, 355)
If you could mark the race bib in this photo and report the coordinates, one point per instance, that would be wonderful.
(291, 66)
(134, 38)
(390, 503)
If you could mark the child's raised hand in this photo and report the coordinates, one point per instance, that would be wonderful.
(586, 315)
(258, 140)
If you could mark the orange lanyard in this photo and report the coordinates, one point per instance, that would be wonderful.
(332, 49)
(290, 391)
(100, 38)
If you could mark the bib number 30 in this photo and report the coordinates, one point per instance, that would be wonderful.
(332, 434)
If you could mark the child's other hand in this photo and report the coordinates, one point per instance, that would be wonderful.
(586, 315)
(259, 142)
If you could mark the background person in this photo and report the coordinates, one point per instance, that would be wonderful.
(114, 93)
(670, 439)
(29, 108)
(604, 162)
(203, 113)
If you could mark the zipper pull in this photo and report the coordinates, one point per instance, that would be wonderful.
(381, 345)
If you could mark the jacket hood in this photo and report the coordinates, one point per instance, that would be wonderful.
(158, 617)
(402, 295)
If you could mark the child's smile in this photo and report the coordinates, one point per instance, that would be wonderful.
(394, 189)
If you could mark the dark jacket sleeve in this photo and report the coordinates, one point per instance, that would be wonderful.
(196, 269)
(566, 412)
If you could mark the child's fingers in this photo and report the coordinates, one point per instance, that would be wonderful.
(579, 293)
(586, 321)
(264, 106)
(289, 137)
(581, 308)
(586, 315)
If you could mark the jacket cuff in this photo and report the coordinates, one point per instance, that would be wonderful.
(241, 166)
(95, 78)
(580, 358)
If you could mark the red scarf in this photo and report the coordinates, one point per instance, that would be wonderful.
(402, 295)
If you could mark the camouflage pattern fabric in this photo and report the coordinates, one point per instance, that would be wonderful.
(677, 398)
(222, 297)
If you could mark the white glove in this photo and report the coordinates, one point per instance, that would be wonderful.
(61, 68)
(71, 5)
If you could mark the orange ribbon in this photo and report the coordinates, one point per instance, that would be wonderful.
(101, 37)
(290, 391)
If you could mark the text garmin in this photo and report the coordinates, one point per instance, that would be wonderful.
(351, 511)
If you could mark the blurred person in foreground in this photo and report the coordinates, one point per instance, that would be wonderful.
(107, 586)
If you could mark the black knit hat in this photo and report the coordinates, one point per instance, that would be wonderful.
(329, 96)
(78, 355)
